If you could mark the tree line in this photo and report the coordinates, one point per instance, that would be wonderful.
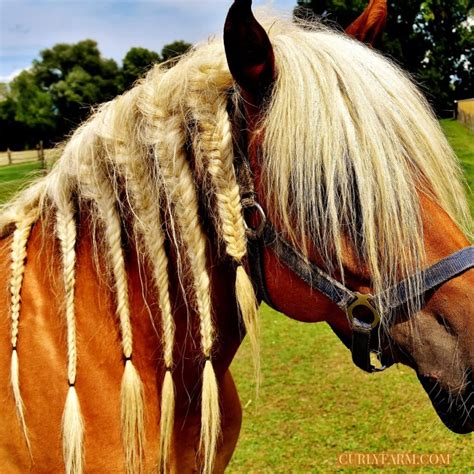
(432, 39)
(48, 100)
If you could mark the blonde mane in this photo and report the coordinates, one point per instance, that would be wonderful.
(347, 144)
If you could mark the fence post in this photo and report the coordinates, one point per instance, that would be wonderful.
(41, 155)
(9, 154)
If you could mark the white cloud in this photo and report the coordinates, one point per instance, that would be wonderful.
(28, 26)
(11, 76)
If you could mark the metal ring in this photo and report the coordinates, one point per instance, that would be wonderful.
(365, 301)
(380, 367)
(255, 233)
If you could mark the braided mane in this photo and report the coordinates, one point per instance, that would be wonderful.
(126, 164)
(347, 141)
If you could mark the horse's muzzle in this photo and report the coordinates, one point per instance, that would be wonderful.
(456, 411)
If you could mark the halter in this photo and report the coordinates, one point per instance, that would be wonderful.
(362, 310)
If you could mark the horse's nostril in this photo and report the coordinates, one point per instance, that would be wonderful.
(433, 376)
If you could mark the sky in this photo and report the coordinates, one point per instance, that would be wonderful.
(28, 26)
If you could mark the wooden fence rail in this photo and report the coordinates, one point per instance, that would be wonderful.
(11, 157)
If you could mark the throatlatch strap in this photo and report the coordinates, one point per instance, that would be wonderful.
(361, 349)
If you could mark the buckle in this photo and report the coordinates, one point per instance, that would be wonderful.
(362, 313)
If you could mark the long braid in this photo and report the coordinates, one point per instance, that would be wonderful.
(215, 147)
(73, 425)
(18, 263)
(132, 388)
(146, 206)
(179, 182)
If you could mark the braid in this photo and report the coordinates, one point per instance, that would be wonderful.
(18, 262)
(216, 151)
(132, 389)
(146, 206)
(179, 183)
(73, 426)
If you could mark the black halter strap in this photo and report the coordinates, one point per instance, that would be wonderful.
(363, 310)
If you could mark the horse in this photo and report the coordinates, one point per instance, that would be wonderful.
(288, 163)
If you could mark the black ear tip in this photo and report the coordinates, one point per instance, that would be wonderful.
(241, 6)
(243, 3)
(240, 11)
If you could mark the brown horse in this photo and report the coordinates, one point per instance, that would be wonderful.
(128, 292)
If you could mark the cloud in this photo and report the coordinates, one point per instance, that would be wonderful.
(10, 76)
(28, 26)
(19, 29)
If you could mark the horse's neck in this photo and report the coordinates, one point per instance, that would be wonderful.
(145, 313)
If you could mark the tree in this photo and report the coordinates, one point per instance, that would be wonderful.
(3, 90)
(13, 134)
(432, 39)
(339, 13)
(77, 77)
(58, 61)
(446, 69)
(27, 110)
(50, 99)
(33, 105)
(136, 63)
(175, 49)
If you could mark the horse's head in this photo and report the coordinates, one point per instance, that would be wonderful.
(356, 179)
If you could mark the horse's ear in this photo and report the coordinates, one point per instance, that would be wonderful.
(249, 51)
(369, 26)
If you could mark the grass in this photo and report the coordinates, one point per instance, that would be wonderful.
(462, 142)
(24, 169)
(314, 403)
(15, 177)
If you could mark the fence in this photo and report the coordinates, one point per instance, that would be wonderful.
(11, 157)
(465, 113)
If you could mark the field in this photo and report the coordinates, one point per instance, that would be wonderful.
(463, 144)
(25, 168)
(314, 403)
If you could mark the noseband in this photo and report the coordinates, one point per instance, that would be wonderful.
(362, 310)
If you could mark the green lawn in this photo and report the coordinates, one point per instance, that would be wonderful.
(462, 142)
(314, 404)
(15, 177)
